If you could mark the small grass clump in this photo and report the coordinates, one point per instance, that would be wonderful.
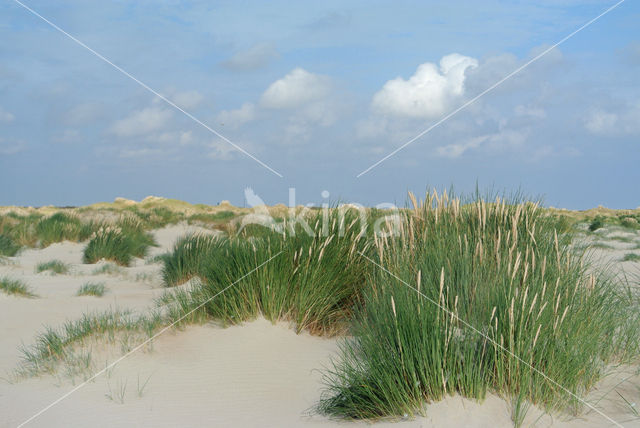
(92, 289)
(631, 257)
(15, 287)
(120, 243)
(7, 246)
(53, 266)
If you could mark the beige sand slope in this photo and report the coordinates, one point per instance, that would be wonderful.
(254, 375)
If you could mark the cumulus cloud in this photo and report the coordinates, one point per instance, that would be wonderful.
(142, 122)
(429, 93)
(297, 88)
(253, 58)
(237, 117)
(6, 116)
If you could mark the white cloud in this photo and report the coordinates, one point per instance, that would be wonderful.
(429, 93)
(8, 147)
(601, 122)
(624, 120)
(458, 149)
(220, 150)
(504, 139)
(6, 116)
(142, 122)
(296, 89)
(234, 118)
(171, 138)
(187, 100)
(253, 58)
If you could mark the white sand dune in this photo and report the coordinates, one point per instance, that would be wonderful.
(252, 375)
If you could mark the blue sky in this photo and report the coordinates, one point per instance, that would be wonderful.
(319, 91)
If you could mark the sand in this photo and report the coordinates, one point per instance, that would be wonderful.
(254, 375)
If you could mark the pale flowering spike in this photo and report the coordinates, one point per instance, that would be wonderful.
(493, 313)
(535, 339)
(414, 202)
(393, 307)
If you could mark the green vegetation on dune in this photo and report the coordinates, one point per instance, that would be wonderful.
(53, 346)
(312, 281)
(15, 287)
(53, 266)
(461, 298)
(92, 289)
(628, 221)
(631, 257)
(119, 243)
(495, 281)
(62, 227)
(7, 246)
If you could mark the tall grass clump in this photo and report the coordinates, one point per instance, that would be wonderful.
(15, 287)
(62, 227)
(119, 243)
(17, 231)
(313, 280)
(468, 299)
(7, 246)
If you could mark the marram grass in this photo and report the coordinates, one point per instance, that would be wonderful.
(313, 281)
(8, 247)
(490, 281)
(15, 287)
(62, 227)
(53, 266)
(506, 271)
(92, 289)
(119, 243)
